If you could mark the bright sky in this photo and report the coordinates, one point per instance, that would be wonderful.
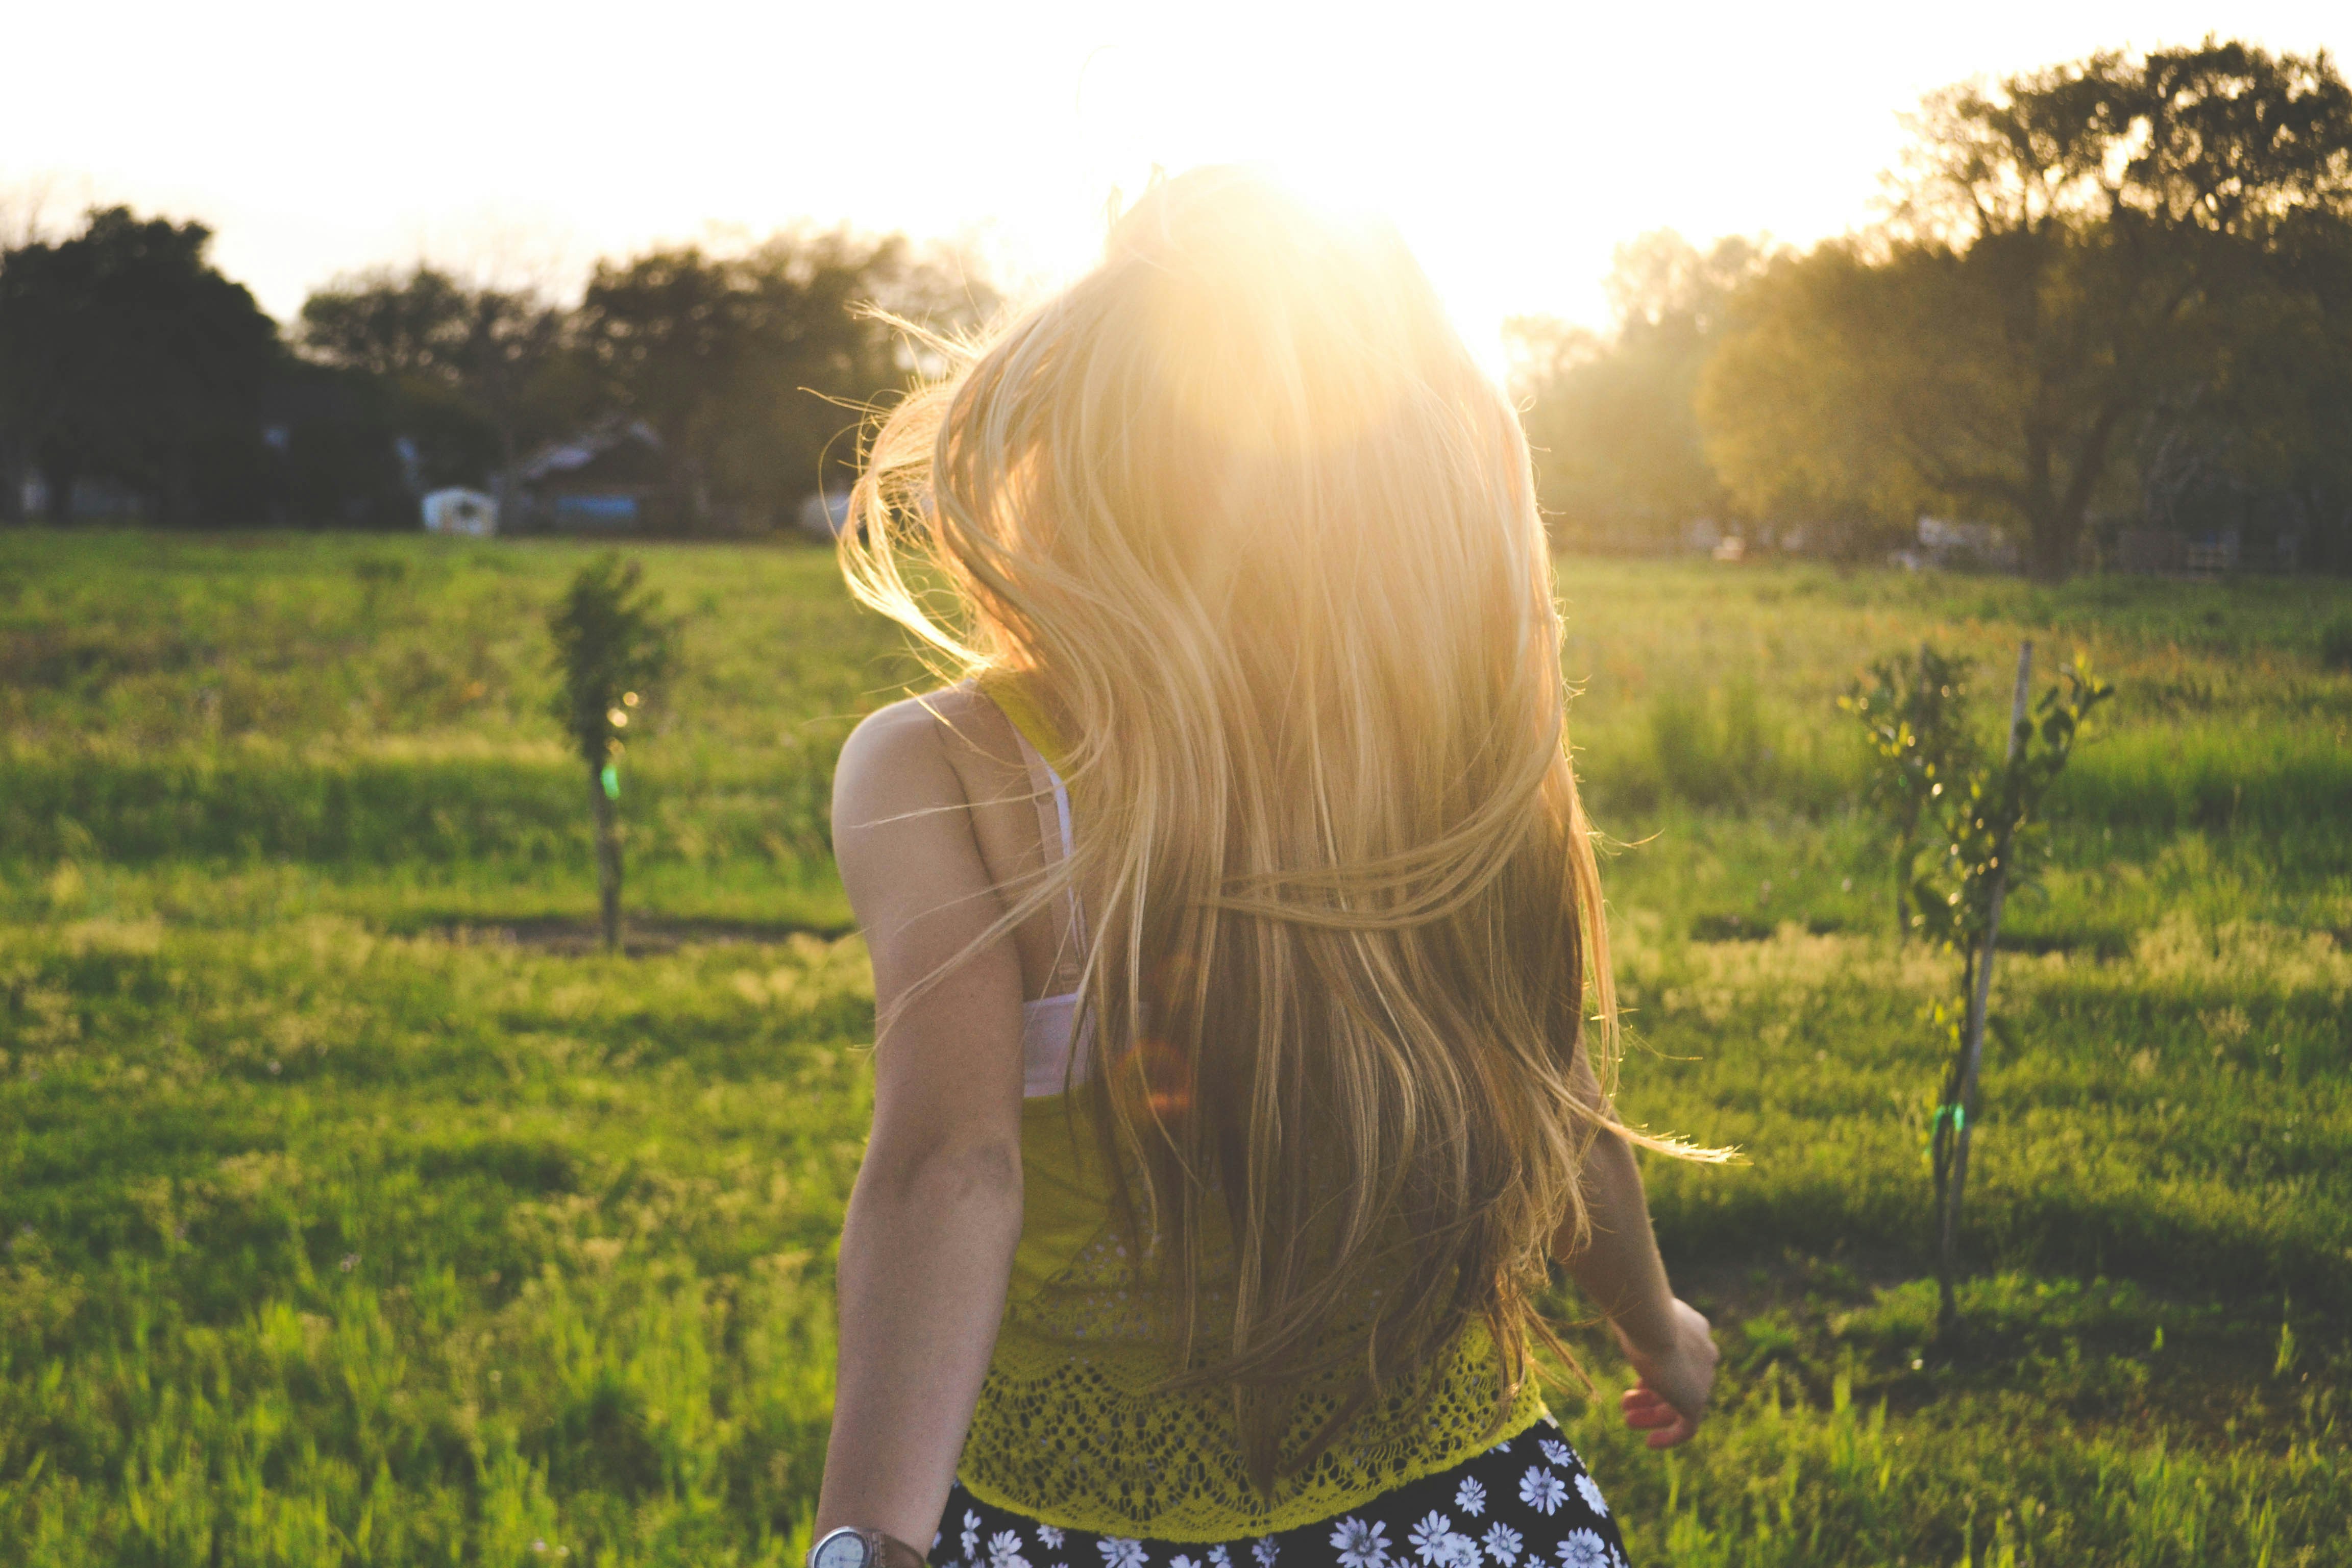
(1515, 143)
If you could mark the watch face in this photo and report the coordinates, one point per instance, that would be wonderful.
(842, 1549)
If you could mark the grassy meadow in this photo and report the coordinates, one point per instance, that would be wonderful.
(354, 1209)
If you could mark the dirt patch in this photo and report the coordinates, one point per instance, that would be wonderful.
(640, 935)
(1720, 927)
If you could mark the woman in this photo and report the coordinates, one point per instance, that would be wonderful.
(1233, 919)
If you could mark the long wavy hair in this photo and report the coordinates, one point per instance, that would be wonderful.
(1258, 540)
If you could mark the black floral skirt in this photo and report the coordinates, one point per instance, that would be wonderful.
(1526, 1502)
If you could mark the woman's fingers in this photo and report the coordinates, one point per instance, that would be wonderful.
(1646, 1410)
(1680, 1432)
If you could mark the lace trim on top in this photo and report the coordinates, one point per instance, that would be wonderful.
(1074, 1424)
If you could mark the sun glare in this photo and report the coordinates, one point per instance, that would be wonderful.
(1309, 111)
(1513, 144)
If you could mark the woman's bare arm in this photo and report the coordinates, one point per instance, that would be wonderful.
(933, 1220)
(1619, 1271)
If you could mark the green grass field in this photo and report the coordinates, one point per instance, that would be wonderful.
(355, 1211)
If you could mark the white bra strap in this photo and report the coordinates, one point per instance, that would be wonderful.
(1061, 807)
(1038, 764)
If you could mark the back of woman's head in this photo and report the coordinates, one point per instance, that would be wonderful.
(1257, 539)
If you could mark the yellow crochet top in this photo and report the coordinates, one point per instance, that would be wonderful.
(1072, 1428)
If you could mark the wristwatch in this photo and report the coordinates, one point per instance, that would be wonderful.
(863, 1549)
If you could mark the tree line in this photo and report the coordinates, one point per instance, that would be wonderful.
(2107, 295)
(128, 359)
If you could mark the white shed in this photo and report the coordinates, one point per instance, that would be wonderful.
(461, 511)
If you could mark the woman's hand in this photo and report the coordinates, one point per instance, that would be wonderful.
(1677, 1372)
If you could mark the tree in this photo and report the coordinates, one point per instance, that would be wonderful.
(124, 353)
(1981, 825)
(1617, 443)
(753, 366)
(2068, 254)
(2263, 443)
(611, 648)
(23, 380)
(494, 352)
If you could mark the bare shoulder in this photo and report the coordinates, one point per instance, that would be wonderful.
(923, 753)
(909, 843)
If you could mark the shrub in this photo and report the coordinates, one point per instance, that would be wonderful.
(2335, 643)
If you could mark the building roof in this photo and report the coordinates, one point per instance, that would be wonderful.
(566, 458)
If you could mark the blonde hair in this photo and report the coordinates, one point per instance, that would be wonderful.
(1259, 540)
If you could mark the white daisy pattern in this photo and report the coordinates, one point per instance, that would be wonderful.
(1360, 1545)
(1537, 1509)
(1583, 1549)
